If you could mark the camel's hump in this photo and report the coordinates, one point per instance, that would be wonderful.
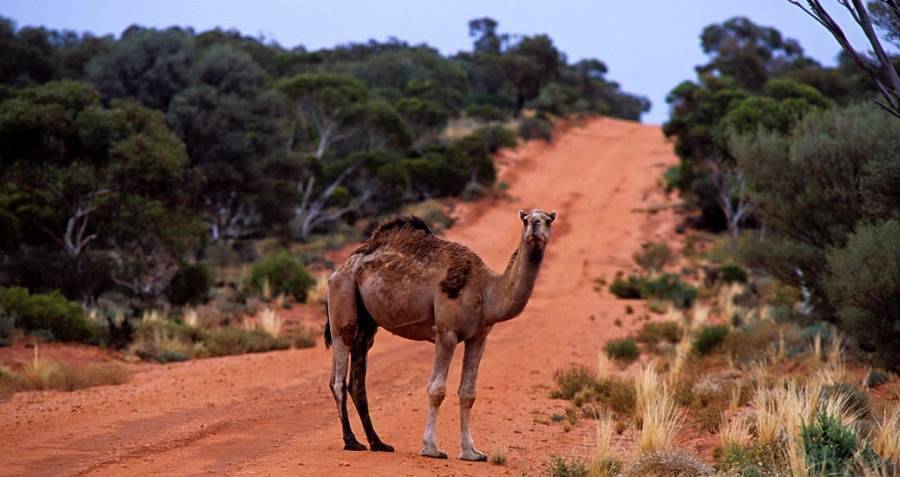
(380, 235)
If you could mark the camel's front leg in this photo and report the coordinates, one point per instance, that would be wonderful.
(444, 345)
(471, 360)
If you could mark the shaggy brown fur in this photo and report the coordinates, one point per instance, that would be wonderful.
(456, 277)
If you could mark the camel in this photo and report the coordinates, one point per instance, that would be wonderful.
(415, 285)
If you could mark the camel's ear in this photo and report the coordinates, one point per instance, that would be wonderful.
(552, 216)
(522, 215)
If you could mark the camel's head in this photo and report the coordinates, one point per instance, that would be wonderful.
(537, 222)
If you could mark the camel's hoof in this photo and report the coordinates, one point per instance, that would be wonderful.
(433, 452)
(473, 455)
(380, 447)
(354, 446)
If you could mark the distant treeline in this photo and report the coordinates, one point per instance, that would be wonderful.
(121, 157)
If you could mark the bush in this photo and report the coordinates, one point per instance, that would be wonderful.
(190, 285)
(624, 349)
(570, 381)
(709, 338)
(486, 112)
(669, 286)
(536, 128)
(497, 137)
(562, 467)
(230, 340)
(654, 332)
(831, 447)
(864, 285)
(285, 275)
(48, 313)
(732, 274)
(627, 288)
(653, 257)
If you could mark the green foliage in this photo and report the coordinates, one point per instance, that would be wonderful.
(190, 285)
(732, 273)
(831, 447)
(536, 127)
(657, 331)
(653, 256)
(51, 312)
(571, 380)
(497, 137)
(808, 188)
(624, 349)
(626, 288)
(562, 467)
(284, 273)
(486, 112)
(669, 286)
(864, 284)
(230, 341)
(709, 338)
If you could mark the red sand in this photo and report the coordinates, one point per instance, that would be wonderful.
(271, 414)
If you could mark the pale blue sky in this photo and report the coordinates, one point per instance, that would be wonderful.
(648, 45)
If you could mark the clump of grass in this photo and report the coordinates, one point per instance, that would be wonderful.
(653, 257)
(709, 338)
(604, 463)
(498, 457)
(626, 288)
(572, 380)
(270, 322)
(562, 467)
(624, 349)
(646, 389)
(655, 332)
(660, 424)
(41, 374)
(886, 440)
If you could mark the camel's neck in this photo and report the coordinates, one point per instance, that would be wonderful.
(507, 294)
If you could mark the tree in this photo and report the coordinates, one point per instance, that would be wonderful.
(484, 30)
(747, 52)
(151, 66)
(880, 68)
(81, 175)
(811, 189)
(326, 103)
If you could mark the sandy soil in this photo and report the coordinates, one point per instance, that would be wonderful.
(271, 414)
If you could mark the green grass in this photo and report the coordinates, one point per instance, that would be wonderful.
(624, 349)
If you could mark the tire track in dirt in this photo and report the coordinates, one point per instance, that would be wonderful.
(272, 414)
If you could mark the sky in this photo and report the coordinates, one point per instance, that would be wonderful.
(649, 45)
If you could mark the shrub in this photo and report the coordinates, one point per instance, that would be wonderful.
(857, 399)
(831, 446)
(42, 374)
(653, 257)
(876, 378)
(536, 128)
(864, 285)
(190, 285)
(562, 467)
(230, 340)
(50, 312)
(709, 338)
(732, 274)
(626, 288)
(673, 462)
(497, 137)
(669, 286)
(570, 381)
(284, 273)
(486, 112)
(165, 341)
(654, 332)
(624, 349)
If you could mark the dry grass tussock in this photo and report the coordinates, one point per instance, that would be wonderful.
(647, 387)
(886, 441)
(270, 322)
(41, 374)
(319, 292)
(660, 424)
(604, 463)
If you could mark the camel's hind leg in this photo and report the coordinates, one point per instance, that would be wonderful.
(364, 339)
(342, 322)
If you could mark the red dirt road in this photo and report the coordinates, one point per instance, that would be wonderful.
(271, 414)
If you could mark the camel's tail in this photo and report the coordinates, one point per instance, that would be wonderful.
(327, 327)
